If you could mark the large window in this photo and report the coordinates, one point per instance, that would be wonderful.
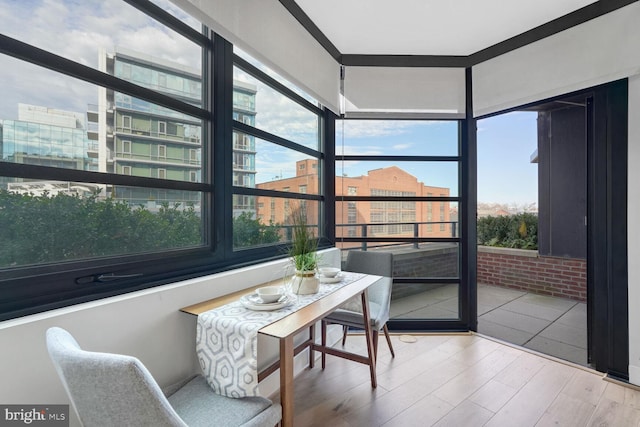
(115, 173)
(276, 149)
(398, 189)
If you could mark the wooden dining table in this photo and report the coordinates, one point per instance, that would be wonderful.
(286, 328)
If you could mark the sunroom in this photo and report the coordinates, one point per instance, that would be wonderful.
(151, 152)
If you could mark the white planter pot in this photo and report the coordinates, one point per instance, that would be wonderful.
(305, 282)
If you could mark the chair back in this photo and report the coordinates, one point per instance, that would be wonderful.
(380, 264)
(108, 389)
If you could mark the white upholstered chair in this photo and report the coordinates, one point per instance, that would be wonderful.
(117, 390)
(379, 297)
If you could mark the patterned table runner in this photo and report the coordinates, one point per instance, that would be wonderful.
(227, 340)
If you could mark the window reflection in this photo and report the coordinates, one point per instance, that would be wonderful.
(265, 220)
(83, 30)
(99, 220)
(274, 112)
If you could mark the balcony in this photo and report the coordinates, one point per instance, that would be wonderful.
(524, 298)
(550, 319)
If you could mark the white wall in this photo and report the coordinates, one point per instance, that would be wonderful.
(633, 227)
(146, 324)
(598, 51)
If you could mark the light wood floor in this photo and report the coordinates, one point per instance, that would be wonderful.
(460, 380)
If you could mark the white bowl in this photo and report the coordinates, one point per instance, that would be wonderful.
(329, 271)
(269, 294)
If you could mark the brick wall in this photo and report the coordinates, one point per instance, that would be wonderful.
(527, 271)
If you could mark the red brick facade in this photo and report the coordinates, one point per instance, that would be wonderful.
(434, 216)
(527, 271)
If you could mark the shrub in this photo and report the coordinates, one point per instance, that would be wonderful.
(54, 228)
(248, 231)
(518, 231)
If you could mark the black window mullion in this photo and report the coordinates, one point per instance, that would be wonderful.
(400, 199)
(328, 174)
(399, 239)
(352, 157)
(249, 191)
(222, 148)
(19, 170)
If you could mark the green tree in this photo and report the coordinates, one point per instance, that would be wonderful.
(54, 228)
(512, 231)
(248, 231)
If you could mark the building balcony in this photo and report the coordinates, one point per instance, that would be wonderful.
(147, 134)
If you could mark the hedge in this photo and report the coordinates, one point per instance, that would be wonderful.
(512, 231)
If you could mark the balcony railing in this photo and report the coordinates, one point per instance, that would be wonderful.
(415, 233)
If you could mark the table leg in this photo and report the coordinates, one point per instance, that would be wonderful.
(312, 338)
(369, 335)
(286, 381)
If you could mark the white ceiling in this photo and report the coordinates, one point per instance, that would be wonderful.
(429, 27)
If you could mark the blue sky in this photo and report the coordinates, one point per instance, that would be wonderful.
(505, 144)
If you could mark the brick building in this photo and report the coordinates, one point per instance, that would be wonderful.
(379, 218)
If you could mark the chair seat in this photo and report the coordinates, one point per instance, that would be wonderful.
(198, 405)
(109, 389)
(351, 318)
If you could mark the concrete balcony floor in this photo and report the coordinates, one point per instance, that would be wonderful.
(549, 325)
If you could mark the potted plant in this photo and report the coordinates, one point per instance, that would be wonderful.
(304, 256)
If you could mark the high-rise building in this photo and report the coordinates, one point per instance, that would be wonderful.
(137, 137)
(244, 146)
(46, 137)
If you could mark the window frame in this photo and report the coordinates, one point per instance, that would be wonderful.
(126, 146)
(34, 289)
(364, 240)
(326, 122)
(126, 118)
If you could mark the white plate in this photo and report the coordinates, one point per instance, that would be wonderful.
(252, 302)
(336, 279)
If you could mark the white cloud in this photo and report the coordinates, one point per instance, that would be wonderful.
(398, 147)
(281, 116)
(374, 128)
(77, 30)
